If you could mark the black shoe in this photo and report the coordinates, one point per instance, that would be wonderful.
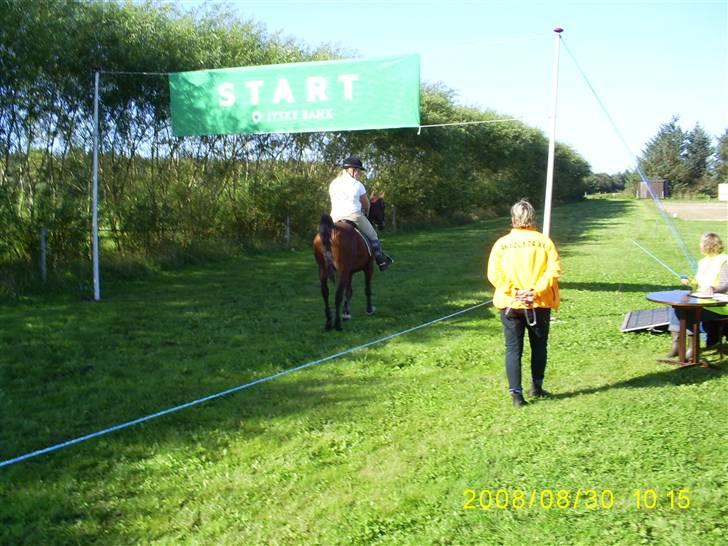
(518, 399)
(712, 345)
(385, 263)
(717, 347)
(538, 392)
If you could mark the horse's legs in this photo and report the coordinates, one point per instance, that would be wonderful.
(346, 315)
(325, 294)
(344, 281)
(368, 287)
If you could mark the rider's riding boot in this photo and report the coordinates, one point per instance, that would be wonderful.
(383, 261)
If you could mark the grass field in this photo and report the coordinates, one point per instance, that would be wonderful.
(409, 441)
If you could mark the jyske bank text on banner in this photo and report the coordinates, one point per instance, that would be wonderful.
(299, 97)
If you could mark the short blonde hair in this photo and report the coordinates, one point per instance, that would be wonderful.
(710, 244)
(523, 214)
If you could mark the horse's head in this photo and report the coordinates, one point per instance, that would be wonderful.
(376, 210)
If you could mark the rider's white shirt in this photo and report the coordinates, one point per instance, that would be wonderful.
(345, 192)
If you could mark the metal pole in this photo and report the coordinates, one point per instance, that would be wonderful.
(95, 192)
(552, 138)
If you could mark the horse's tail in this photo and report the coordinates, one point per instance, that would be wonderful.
(326, 228)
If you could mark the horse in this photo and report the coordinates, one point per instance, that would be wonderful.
(341, 248)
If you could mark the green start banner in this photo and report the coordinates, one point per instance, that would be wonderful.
(299, 97)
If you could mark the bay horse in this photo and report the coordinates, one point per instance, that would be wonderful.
(340, 248)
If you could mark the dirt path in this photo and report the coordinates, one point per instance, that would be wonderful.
(698, 211)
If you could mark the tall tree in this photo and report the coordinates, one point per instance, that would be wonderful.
(720, 171)
(664, 156)
(699, 152)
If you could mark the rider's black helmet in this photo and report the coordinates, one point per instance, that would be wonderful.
(353, 161)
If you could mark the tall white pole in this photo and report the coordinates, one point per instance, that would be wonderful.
(95, 193)
(552, 137)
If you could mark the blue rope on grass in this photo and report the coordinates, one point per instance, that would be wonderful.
(80, 439)
(658, 202)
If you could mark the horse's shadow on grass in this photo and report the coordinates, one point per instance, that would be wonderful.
(671, 376)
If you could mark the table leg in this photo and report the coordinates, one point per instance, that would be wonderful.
(681, 342)
(696, 339)
(692, 316)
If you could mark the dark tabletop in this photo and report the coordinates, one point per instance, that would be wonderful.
(681, 298)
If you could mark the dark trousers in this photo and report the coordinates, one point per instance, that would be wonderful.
(709, 320)
(515, 324)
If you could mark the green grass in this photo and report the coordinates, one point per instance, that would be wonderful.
(377, 446)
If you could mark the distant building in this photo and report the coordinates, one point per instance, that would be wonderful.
(723, 192)
(660, 188)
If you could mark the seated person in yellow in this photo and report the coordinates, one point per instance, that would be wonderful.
(711, 278)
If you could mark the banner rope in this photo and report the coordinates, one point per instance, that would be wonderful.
(123, 73)
(419, 130)
(80, 439)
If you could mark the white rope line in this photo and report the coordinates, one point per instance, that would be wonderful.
(483, 44)
(80, 439)
(455, 47)
(658, 260)
(676, 235)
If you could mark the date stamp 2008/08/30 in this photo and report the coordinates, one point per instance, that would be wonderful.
(574, 499)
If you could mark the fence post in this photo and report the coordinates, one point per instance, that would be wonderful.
(288, 231)
(43, 234)
(394, 218)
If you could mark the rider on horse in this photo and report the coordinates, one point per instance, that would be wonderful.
(349, 201)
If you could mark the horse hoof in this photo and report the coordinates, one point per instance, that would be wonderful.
(346, 316)
(371, 311)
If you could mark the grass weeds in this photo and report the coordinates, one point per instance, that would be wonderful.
(381, 445)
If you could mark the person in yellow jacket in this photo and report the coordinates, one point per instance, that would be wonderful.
(524, 268)
(711, 278)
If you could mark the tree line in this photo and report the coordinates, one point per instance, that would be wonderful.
(162, 196)
(690, 160)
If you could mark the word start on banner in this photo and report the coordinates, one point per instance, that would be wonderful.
(316, 90)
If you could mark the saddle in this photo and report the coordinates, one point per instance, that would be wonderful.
(358, 231)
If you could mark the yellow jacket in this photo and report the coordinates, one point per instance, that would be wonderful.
(709, 269)
(709, 274)
(524, 259)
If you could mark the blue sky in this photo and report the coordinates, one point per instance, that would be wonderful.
(646, 60)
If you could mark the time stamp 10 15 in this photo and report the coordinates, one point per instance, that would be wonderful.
(574, 499)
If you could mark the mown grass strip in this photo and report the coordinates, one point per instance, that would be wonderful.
(378, 446)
